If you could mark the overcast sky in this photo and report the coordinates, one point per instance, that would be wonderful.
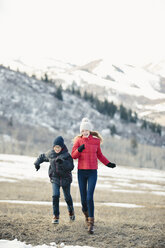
(127, 31)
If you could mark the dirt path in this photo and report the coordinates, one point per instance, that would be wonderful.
(115, 227)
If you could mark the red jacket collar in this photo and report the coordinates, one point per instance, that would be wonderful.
(87, 138)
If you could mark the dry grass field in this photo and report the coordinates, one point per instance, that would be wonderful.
(115, 227)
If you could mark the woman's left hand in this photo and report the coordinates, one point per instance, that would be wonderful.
(81, 148)
(111, 165)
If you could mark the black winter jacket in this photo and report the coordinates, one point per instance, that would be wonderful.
(61, 165)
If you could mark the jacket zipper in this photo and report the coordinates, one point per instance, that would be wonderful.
(57, 172)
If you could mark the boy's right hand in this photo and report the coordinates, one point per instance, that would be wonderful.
(81, 148)
(37, 166)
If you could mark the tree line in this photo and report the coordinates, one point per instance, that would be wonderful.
(110, 109)
(105, 107)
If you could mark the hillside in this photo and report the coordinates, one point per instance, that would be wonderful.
(141, 89)
(31, 116)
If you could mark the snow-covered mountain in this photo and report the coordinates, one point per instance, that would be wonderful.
(157, 68)
(141, 89)
(29, 104)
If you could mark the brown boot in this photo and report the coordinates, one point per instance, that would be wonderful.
(86, 217)
(90, 225)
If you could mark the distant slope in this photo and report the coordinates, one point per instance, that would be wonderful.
(28, 101)
(141, 89)
(31, 116)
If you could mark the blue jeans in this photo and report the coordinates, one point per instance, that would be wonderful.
(56, 196)
(87, 181)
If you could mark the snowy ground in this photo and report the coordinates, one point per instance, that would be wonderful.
(17, 244)
(121, 179)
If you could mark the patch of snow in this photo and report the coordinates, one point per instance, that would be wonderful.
(7, 180)
(142, 174)
(16, 167)
(138, 191)
(156, 107)
(18, 244)
(150, 186)
(21, 167)
(141, 185)
(158, 193)
(129, 191)
(105, 132)
(111, 204)
(123, 205)
(6, 137)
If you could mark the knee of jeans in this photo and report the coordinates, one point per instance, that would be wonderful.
(90, 199)
(55, 197)
(84, 200)
(67, 197)
(68, 201)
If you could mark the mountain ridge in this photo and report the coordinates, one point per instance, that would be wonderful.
(30, 101)
(139, 88)
(32, 115)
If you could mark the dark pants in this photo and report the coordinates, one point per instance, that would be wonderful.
(87, 181)
(56, 196)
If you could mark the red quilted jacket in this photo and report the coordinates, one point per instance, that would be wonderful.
(87, 159)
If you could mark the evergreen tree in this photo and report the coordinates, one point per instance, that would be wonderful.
(112, 108)
(152, 126)
(45, 78)
(159, 129)
(135, 117)
(78, 93)
(129, 115)
(134, 146)
(86, 96)
(91, 97)
(58, 93)
(98, 105)
(123, 113)
(33, 76)
(105, 107)
(144, 124)
(113, 130)
(132, 117)
(72, 89)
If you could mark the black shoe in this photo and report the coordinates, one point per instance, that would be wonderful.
(55, 220)
(72, 216)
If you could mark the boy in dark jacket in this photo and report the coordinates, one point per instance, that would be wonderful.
(61, 165)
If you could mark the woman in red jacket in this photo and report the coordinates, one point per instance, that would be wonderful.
(87, 150)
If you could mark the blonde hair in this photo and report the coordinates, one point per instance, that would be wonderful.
(93, 133)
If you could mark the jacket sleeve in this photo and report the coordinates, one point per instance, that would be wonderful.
(42, 158)
(101, 157)
(75, 153)
(68, 164)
